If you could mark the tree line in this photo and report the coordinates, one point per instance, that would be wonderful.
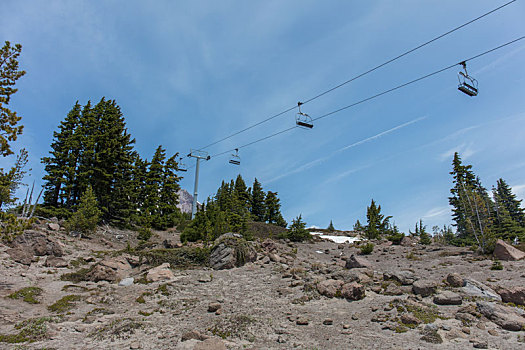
(93, 149)
(231, 208)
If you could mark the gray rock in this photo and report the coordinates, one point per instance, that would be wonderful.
(357, 262)
(406, 278)
(214, 307)
(20, 255)
(353, 291)
(455, 280)
(478, 289)
(231, 250)
(330, 288)
(448, 298)
(515, 295)
(126, 282)
(53, 226)
(424, 287)
(503, 316)
(53, 261)
(194, 335)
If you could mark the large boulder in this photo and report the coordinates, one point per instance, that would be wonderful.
(330, 288)
(21, 255)
(515, 295)
(353, 291)
(25, 246)
(448, 298)
(231, 250)
(504, 251)
(354, 262)
(477, 289)
(109, 269)
(455, 280)
(403, 277)
(424, 287)
(409, 241)
(160, 273)
(503, 316)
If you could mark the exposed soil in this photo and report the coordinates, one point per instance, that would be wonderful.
(272, 303)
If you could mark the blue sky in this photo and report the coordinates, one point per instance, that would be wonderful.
(187, 73)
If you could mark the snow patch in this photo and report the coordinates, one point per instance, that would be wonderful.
(337, 239)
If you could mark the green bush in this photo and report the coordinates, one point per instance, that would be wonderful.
(496, 265)
(144, 234)
(86, 218)
(11, 226)
(396, 237)
(367, 248)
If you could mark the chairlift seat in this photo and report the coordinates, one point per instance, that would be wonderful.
(235, 162)
(468, 89)
(304, 124)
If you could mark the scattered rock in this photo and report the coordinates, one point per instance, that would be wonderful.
(393, 289)
(302, 321)
(330, 288)
(504, 251)
(231, 250)
(478, 289)
(126, 282)
(479, 344)
(214, 306)
(501, 315)
(274, 257)
(193, 335)
(53, 226)
(160, 273)
(448, 298)
(53, 261)
(431, 335)
(328, 322)
(409, 241)
(424, 288)
(357, 262)
(515, 295)
(353, 291)
(20, 255)
(410, 319)
(455, 280)
(406, 278)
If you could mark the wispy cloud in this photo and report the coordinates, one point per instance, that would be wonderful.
(437, 212)
(519, 191)
(466, 151)
(355, 144)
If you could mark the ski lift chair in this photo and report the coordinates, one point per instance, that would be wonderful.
(467, 84)
(235, 159)
(303, 119)
(182, 166)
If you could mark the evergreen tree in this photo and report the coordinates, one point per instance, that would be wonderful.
(377, 223)
(85, 219)
(257, 205)
(463, 178)
(510, 202)
(504, 225)
(9, 74)
(358, 226)
(297, 231)
(331, 227)
(241, 196)
(273, 210)
(11, 180)
(61, 165)
(424, 236)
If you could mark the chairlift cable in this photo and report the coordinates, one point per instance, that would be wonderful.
(374, 96)
(360, 75)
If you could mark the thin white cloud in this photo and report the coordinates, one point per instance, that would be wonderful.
(355, 144)
(437, 212)
(466, 151)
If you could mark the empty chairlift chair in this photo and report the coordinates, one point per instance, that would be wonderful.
(467, 84)
(182, 166)
(303, 119)
(235, 159)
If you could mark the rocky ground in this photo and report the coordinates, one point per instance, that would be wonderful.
(317, 295)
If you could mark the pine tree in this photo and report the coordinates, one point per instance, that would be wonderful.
(504, 225)
(273, 210)
(463, 178)
(510, 202)
(297, 231)
(377, 223)
(257, 205)
(331, 227)
(169, 197)
(61, 165)
(424, 236)
(358, 226)
(9, 74)
(85, 219)
(11, 180)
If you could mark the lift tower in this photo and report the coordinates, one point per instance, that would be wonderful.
(197, 154)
